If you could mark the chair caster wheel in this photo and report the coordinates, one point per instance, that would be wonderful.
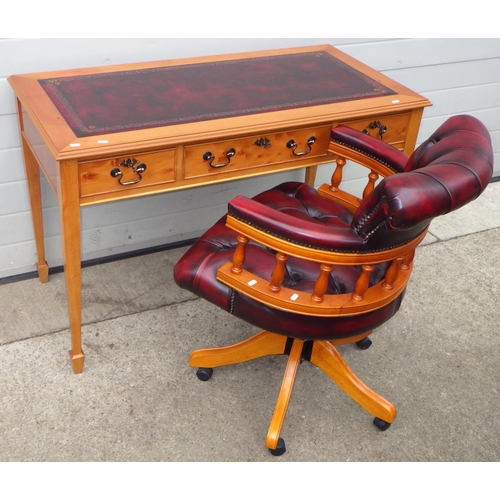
(280, 448)
(381, 424)
(204, 374)
(364, 343)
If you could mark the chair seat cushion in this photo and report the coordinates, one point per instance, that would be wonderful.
(196, 271)
(303, 202)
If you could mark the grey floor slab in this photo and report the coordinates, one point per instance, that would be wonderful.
(30, 308)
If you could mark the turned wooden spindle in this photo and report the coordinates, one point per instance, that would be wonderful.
(278, 273)
(362, 283)
(321, 285)
(239, 254)
(392, 274)
(337, 174)
(408, 259)
(370, 186)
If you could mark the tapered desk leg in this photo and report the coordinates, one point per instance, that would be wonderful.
(310, 177)
(69, 207)
(35, 194)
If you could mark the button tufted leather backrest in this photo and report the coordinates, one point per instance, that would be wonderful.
(447, 171)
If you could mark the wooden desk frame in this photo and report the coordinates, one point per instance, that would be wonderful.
(78, 168)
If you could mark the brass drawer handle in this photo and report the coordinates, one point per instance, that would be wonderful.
(382, 129)
(136, 167)
(208, 156)
(291, 144)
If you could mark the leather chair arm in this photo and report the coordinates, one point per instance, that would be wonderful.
(367, 150)
(291, 230)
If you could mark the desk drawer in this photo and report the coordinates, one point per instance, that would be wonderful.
(126, 172)
(396, 127)
(249, 152)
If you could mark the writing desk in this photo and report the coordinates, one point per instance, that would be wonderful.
(122, 131)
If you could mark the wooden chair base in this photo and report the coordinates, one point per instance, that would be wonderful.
(320, 353)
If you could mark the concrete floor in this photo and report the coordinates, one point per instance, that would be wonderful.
(138, 400)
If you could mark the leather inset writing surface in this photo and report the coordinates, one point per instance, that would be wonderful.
(131, 100)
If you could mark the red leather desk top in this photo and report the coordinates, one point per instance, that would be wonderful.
(131, 100)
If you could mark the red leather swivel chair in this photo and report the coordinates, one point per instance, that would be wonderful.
(315, 269)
